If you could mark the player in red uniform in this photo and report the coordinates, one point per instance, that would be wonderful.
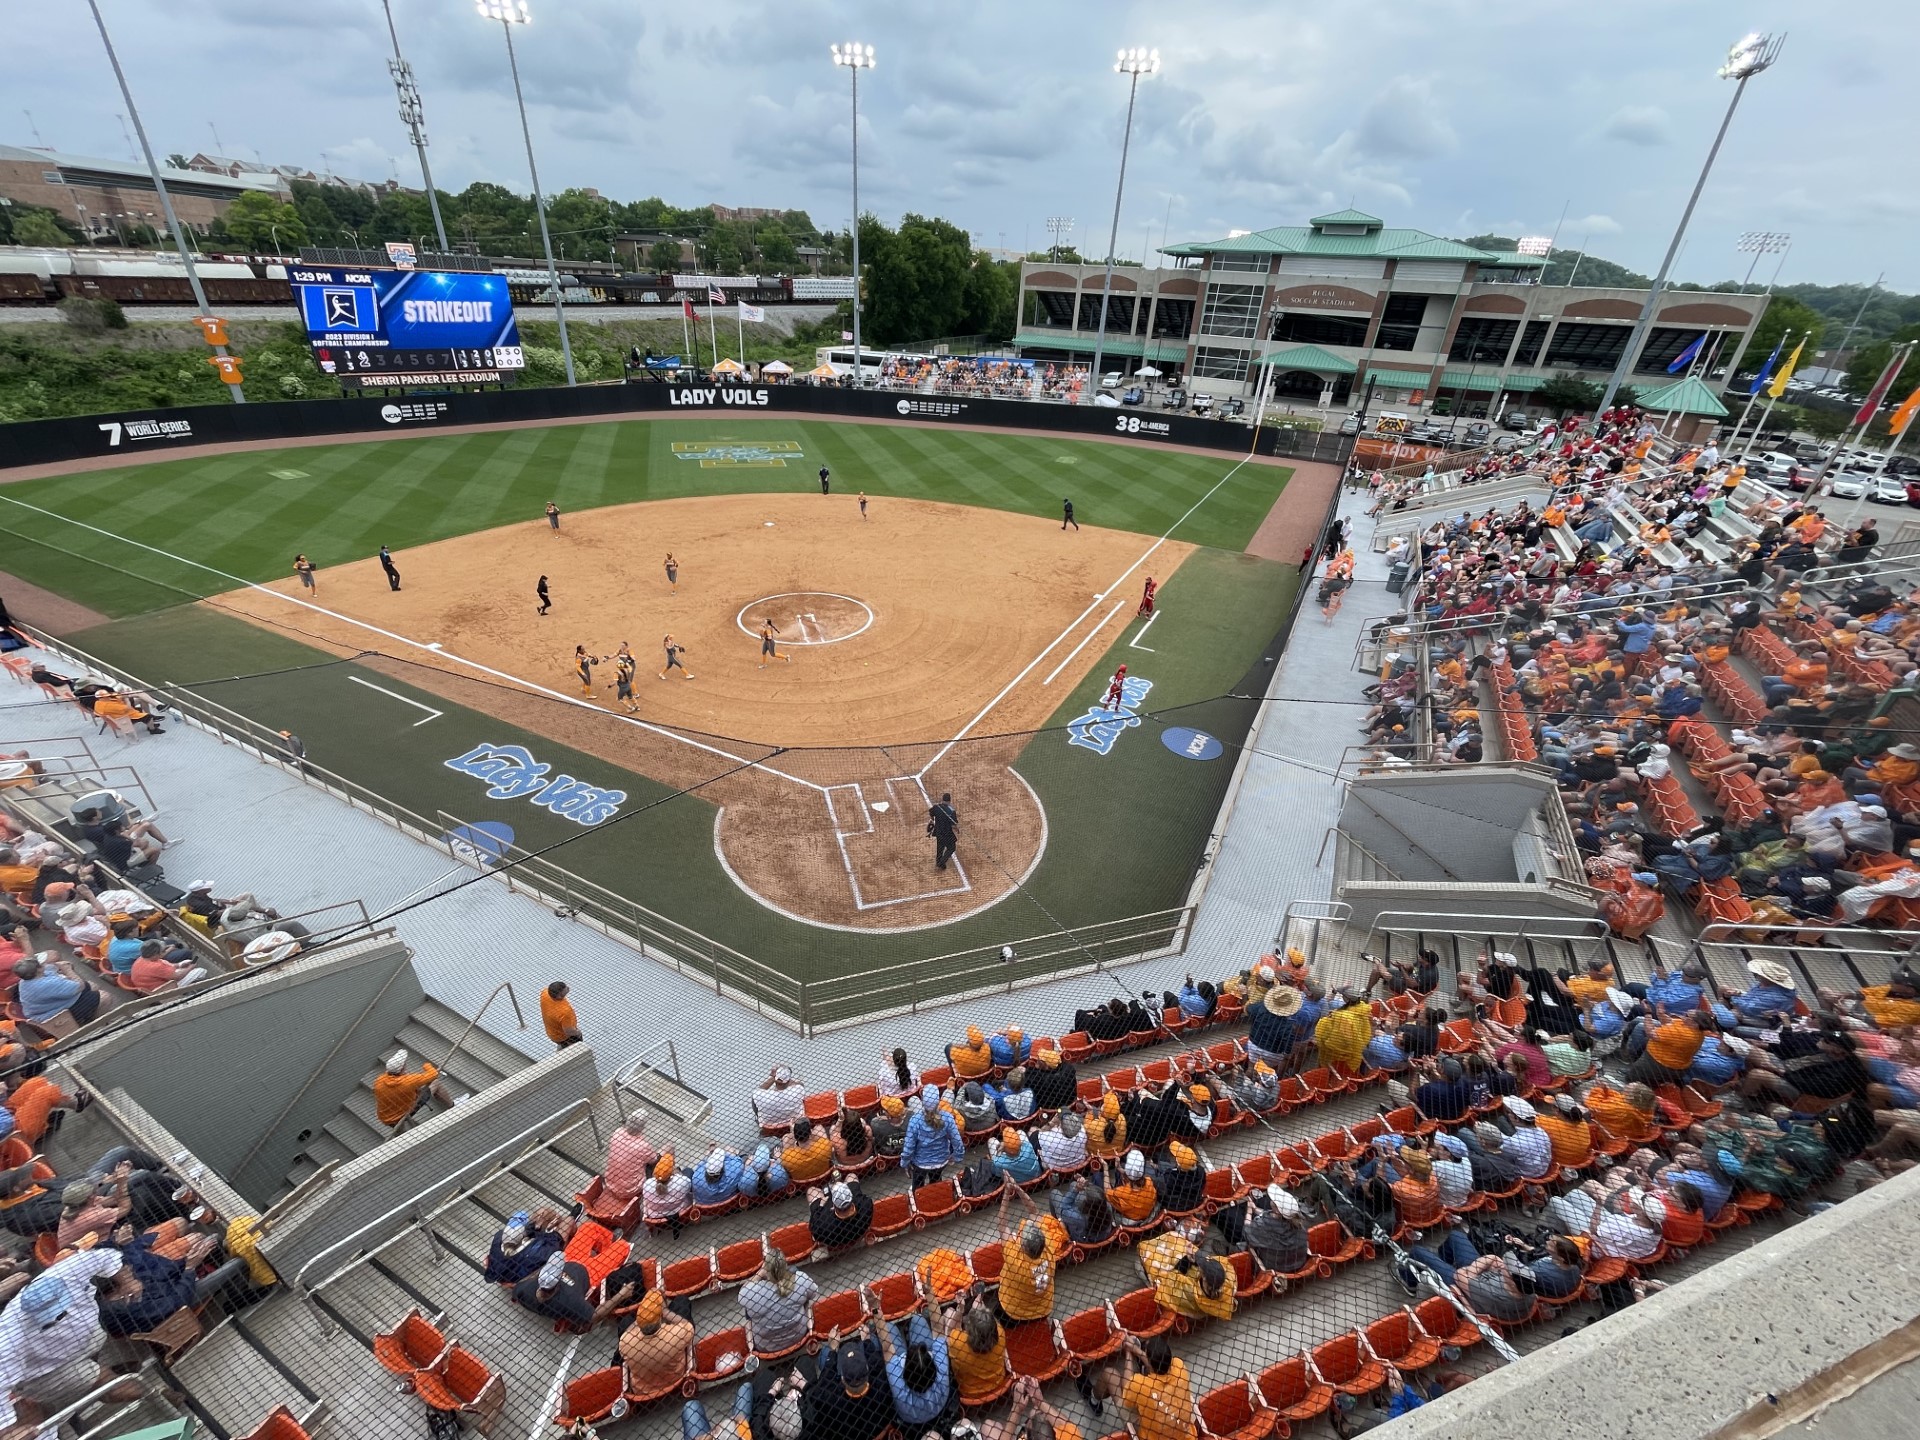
(1146, 598)
(1114, 689)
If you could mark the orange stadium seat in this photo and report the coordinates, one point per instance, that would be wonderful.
(1293, 1391)
(739, 1262)
(414, 1344)
(281, 1425)
(1344, 1363)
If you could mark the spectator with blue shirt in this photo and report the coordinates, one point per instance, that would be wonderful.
(1015, 1157)
(1275, 1029)
(916, 1370)
(1013, 1100)
(718, 1181)
(1008, 1048)
(49, 989)
(1680, 994)
(124, 948)
(1635, 631)
(1719, 1060)
(933, 1140)
(1198, 1002)
(764, 1176)
(1767, 1004)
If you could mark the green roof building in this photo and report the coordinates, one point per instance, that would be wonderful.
(1322, 311)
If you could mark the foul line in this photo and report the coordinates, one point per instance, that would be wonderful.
(1135, 642)
(941, 753)
(434, 649)
(432, 714)
(1118, 607)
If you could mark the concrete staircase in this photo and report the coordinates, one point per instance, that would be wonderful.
(430, 1032)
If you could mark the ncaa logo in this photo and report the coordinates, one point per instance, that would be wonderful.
(390, 414)
(905, 407)
(1191, 744)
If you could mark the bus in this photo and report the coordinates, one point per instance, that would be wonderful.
(839, 359)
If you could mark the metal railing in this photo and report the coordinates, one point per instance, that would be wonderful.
(644, 1064)
(802, 1005)
(423, 1220)
(519, 1018)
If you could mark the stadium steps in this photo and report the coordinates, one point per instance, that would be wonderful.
(428, 1034)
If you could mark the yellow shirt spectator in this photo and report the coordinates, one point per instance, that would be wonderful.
(1343, 1035)
(1163, 1403)
(244, 1243)
(1026, 1281)
(973, 1060)
(975, 1373)
(1889, 1010)
(808, 1160)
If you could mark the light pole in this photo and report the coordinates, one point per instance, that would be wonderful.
(413, 117)
(1761, 242)
(1746, 60)
(1133, 64)
(160, 186)
(855, 57)
(511, 13)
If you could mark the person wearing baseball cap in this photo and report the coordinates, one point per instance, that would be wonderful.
(1275, 1232)
(560, 1290)
(657, 1348)
(524, 1244)
(49, 1335)
(839, 1215)
(1131, 1192)
(1015, 1157)
(1181, 1179)
(1029, 1261)
(717, 1181)
(398, 1092)
(843, 1403)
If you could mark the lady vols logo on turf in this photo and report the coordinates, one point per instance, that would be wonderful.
(1102, 724)
(512, 773)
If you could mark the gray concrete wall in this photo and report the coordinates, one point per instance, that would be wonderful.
(1452, 826)
(424, 1161)
(1551, 912)
(266, 1047)
(1694, 1357)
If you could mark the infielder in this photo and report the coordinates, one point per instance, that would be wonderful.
(1115, 689)
(583, 664)
(767, 647)
(623, 667)
(674, 652)
(1146, 599)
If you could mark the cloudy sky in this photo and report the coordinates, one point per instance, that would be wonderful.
(1445, 115)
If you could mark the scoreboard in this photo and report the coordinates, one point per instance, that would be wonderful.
(394, 328)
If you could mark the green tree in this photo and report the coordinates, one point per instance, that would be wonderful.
(176, 161)
(664, 255)
(256, 218)
(776, 245)
(1565, 393)
(1784, 314)
(992, 292)
(582, 225)
(1870, 360)
(322, 227)
(493, 217)
(32, 225)
(915, 285)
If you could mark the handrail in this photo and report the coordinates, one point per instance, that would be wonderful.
(1730, 927)
(506, 985)
(631, 1070)
(308, 1292)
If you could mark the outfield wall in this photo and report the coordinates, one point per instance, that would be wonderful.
(156, 433)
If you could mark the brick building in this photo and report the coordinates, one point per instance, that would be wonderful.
(91, 192)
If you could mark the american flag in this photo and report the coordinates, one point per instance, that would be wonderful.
(716, 295)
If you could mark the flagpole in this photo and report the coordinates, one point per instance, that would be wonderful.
(1885, 461)
(740, 325)
(686, 330)
(1895, 365)
(1759, 384)
(713, 331)
(1775, 391)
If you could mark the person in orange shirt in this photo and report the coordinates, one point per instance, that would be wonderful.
(973, 1060)
(556, 1013)
(1107, 1131)
(1625, 1114)
(1900, 765)
(808, 1154)
(1567, 1128)
(976, 1349)
(1131, 1193)
(398, 1093)
(1028, 1264)
(1416, 1193)
(1153, 1384)
(1668, 1048)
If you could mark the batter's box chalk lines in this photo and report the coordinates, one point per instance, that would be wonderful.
(436, 648)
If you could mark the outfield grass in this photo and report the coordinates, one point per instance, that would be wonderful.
(235, 515)
(1126, 828)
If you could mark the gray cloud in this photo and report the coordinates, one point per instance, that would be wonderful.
(999, 114)
(1639, 125)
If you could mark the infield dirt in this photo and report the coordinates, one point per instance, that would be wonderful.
(902, 630)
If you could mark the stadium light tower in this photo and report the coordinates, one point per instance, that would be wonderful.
(1747, 59)
(1133, 64)
(511, 13)
(855, 57)
(160, 186)
(414, 118)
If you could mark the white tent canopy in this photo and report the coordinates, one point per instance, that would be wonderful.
(1149, 372)
(776, 367)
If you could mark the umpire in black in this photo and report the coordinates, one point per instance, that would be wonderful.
(943, 824)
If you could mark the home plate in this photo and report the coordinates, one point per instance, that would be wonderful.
(881, 805)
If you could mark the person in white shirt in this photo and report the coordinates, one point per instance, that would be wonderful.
(779, 1102)
(49, 1336)
(1452, 1170)
(1529, 1146)
(1063, 1144)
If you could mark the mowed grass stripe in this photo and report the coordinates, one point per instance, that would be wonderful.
(229, 512)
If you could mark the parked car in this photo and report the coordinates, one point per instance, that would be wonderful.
(1351, 425)
(1913, 493)
(1134, 396)
(1104, 398)
(1475, 434)
(1889, 490)
(1234, 406)
(1516, 420)
(1849, 485)
(1203, 404)
(1176, 400)
(1773, 467)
